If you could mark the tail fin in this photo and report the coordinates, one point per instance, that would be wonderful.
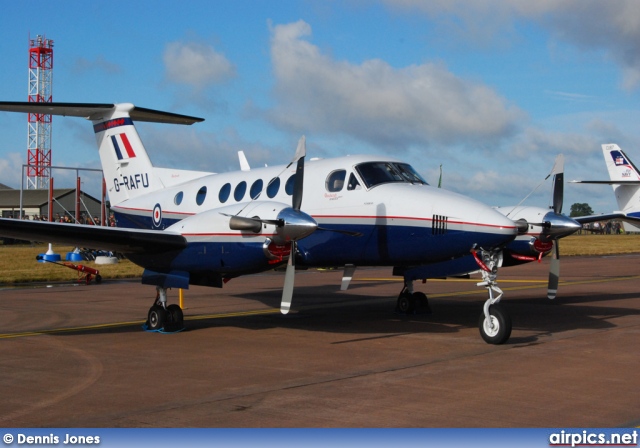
(128, 172)
(625, 179)
(127, 168)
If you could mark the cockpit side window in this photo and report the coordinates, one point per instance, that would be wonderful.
(353, 183)
(410, 174)
(335, 181)
(376, 173)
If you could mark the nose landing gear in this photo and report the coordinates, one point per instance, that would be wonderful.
(495, 322)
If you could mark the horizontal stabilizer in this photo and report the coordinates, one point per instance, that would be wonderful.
(93, 111)
(607, 182)
(607, 217)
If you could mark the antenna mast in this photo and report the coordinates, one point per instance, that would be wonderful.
(39, 131)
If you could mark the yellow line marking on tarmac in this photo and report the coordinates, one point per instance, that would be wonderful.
(446, 280)
(538, 284)
(69, 329)
(237, 314)
(513, 288)
(128, 324)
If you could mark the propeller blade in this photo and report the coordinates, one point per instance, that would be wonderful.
(554, 272)
(558, 183)
(299, 179)
(289, 277)
(301, 150)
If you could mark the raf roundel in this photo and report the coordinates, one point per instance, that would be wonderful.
(157, 215)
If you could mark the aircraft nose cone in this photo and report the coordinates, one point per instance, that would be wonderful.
(559, 226)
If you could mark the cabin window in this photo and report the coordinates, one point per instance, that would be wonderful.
(225, 191)
(288, 187)
(240, 190)
(178, 198)
(335, 181)
(273, 187)
(202, 193)
(256, 189)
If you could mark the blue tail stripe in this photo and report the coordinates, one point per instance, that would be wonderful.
(117, 148)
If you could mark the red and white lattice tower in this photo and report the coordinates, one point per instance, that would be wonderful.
(39, 139)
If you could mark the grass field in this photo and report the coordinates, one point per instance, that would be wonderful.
(18, 263)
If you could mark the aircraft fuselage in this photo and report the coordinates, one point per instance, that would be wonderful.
(402, 221)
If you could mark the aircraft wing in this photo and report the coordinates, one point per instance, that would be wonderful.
(94, 237)
(606, 217)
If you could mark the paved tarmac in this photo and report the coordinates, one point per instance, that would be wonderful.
(76, 356)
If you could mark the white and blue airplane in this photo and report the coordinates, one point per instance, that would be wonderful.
(196, 228)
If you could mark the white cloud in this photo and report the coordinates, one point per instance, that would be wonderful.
(378, 103)
(11, 169)
(82, 65)
(613, 26)
(196, 65)
(193, 149)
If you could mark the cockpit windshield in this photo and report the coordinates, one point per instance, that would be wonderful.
(376, 173)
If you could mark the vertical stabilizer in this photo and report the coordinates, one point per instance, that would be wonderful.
(128, 171)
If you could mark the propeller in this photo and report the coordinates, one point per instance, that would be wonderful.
(292, 224)
(296, 203)
(558, 227)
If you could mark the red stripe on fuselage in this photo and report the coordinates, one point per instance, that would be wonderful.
(412, 218)
(409, 218)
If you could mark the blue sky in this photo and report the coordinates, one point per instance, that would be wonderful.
(490, 90)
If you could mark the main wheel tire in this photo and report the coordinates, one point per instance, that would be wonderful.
(157, 317)
(406, 304)
(175, 314)
(421, 302)
(499, 332)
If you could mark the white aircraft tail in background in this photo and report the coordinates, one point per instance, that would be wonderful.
(625, 180)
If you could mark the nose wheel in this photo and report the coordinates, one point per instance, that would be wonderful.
(494, 323)
(495, 329)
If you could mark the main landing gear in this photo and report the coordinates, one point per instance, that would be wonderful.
(410, 302)
(494, 322)
(164, 318)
